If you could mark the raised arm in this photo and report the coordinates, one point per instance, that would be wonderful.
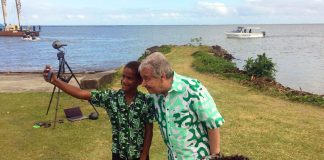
(67, 88)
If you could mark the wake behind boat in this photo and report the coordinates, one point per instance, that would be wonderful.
(30, 38)
(246, 32)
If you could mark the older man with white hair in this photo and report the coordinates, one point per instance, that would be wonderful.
(186, 113)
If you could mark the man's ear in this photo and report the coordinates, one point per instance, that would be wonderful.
(163, 76)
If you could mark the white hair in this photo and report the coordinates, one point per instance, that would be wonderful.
(158, 63)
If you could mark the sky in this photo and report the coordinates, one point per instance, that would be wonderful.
(166, 12)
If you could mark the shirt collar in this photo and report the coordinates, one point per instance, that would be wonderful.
(177, 84)
(137, 97)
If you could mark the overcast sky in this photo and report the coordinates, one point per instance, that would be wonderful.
(166, 12)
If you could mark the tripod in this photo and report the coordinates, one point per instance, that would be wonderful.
(62, 76)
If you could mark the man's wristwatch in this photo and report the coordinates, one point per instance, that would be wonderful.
(217, 155)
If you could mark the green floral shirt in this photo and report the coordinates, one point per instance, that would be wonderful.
(127, 121)
(184, 116)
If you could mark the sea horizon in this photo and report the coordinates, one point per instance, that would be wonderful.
(295, 48)
(239, 24)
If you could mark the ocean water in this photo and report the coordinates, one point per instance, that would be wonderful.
(298, 50)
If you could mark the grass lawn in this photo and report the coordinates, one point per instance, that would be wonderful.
(257, 125)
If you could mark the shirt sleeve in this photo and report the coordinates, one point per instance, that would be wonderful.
(207, 111)
(150, 110)
(100, 98)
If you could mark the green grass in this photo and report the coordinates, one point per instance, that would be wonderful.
(257, 125)
(207, 63)
(78, 140)
(163, 49)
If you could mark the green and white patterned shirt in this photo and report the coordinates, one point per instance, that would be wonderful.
(127, 121)
(184, 116)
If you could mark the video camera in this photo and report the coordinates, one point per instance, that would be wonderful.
(57, 44)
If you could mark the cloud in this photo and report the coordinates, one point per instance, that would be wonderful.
(70, 16)
(119, 16)
(283, 8)
(249, 1)
(35, 16)
(79, 16)
(165, 15)
(217, 7)
(167, 12)
(171, 15)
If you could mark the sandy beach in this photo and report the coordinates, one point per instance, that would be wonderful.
(28, 82)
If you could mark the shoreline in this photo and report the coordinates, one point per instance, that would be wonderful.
(32, 81)
(17, 82)
(39, 72)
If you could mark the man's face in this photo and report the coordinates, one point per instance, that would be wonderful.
(151, 83)
(129, 80)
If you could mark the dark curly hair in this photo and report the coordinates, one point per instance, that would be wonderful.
(133, 65)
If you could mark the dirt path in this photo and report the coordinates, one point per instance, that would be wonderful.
(27, 82)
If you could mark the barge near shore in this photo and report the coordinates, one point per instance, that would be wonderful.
(16, 30)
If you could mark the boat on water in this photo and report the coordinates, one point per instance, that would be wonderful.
(16, 30)
(30, 38)
(246, 32)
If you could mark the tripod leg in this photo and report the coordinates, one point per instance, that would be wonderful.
(93, 107)
(49, 105)
(73, 75)
(58, 75)
(61, 65)
(56, 108)
(79, 84)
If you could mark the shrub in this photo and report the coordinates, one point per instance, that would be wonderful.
(262, 66)
(205, 62)
(196, 41)
(165, 49)
(311, 99)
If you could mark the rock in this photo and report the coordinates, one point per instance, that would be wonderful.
(220, 52)
(150, 50)
(97, 80)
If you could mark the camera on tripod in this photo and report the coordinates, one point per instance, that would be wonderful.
(60, 56)
(57, 45)
(66, 77)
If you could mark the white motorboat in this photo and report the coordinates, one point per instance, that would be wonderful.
(246, 32)
(30, 38)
